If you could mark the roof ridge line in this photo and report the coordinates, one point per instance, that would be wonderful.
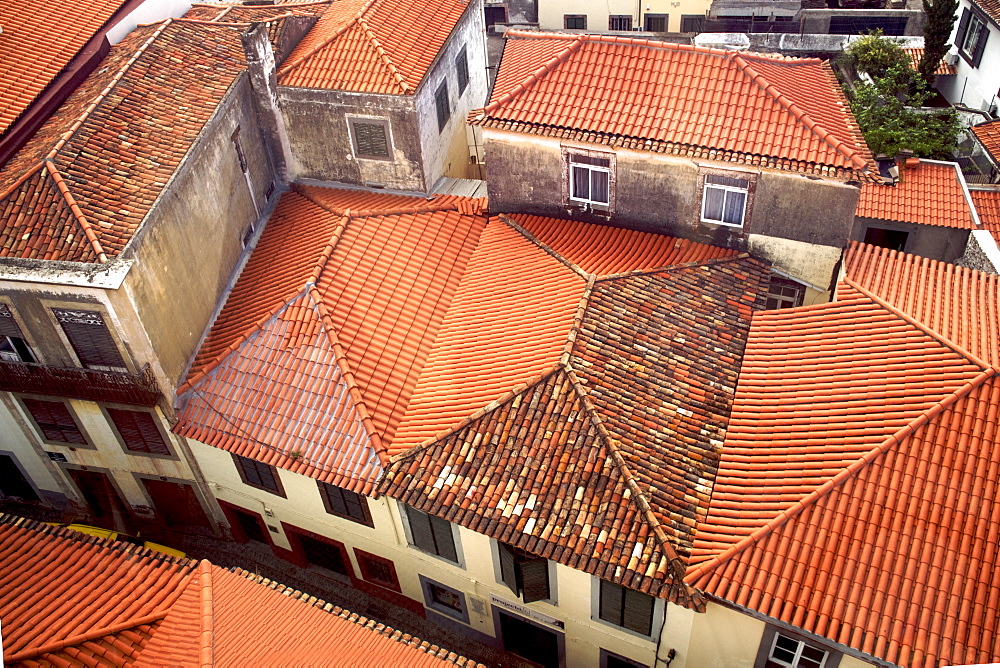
(107, 89)
(383, 56)
(531, 79)
(982, 364)
(225, 11)
(849, 471)
(353, 388)
(574, 329)
(22, 179)
(229, 24)
(74, 208)
(92, 634)
(325, 42)
(493, 405)
(207, 616)
(523, 231)
(670, 268)
(797, 111)
(637, 495)
(427, 206)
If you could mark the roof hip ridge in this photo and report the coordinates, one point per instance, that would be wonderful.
(207, 616)
(841, 477)
(531, 79)
(427, 206)
(940, 338)
(671, 268)
(88, 229)
(383, 56)
(323, 43)
(523, 231)
(92, 634)
(636, 494)
(797, 111)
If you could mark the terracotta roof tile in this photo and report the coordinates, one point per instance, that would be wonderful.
(372, 46)
(855, 497)
(657, 96)
(991, 7)
(38, 41)
(987, 204)
(931, 193)
(81, 187)
(961, 305)
(915, 55)
(988, 134)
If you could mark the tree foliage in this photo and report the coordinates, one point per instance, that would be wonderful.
(876, 55)
(937, 29)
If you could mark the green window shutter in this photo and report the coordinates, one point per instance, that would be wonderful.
(420, 529)
(444, 540)
(508, 567)
(637, 614)
(535, 579)
(611, 603)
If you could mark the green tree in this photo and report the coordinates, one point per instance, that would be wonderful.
(937, 29)
(876, 55)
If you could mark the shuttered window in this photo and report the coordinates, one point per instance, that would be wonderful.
(627, 608)
(13, 347)
(443, 107)
(377, 569)
(432, 534)
(55, 422)
(258, 474)
(462, 70)
(345, 503)
(371, 139)
(527, 575)
(88, 334)
(138, 431)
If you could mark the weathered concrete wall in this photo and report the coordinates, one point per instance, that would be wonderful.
(812, 264)
(817, 21)
(446, 151)
(982, 253)
(938, 243)
(191, 242)
(321, 142)
(663, 193)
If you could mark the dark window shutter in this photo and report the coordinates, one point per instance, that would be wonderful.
(89, 336)
(8, 326)
(977, 55)
(444, 540)
(55, 421)
(462, 70)
(335, 497)
(535, 579)
(508, 567)
(611, 603)
(963, 27)
(249, 468)
(138, 430)
(370, 139)
(266, 475)
(638, 613)
(420, 528)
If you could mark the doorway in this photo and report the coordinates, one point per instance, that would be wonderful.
(528, 641)
(105, 503)
(13, 484)
(176, 503)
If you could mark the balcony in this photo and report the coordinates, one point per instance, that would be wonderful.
(108, 386)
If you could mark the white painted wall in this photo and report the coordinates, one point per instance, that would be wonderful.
(551, 12)
(974, 87)
(148, 12)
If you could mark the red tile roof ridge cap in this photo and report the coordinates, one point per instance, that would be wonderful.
(21, 179)
(797, 112)
(81, 220)
(574, 328)
(574, 43)
(653, 43)
(353, 388)
(322, 44)
(229, 24)
(240, 3)
(432, 205)
(207, 616)
(384, 57)
(670, 268)
(704, 568)
(224, 12)
(691, 598)
(955, 347)
(107, 89)
(523, 231)
(212, 364)
(92, 634)
(493, 405)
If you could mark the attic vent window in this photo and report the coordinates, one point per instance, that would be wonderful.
(370, 138)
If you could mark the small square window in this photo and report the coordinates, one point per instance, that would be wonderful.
(377, 570)
(575, 21)
(326, 554)
(444, 599)
(442, 104)
(259, 475)
(692, 23)
(345, 503)
(55, 422)
(657, 22)
(784, 293)
(138, 431)
(724, 200)
(13, 347)
(787, 652)
(971, 38)
(91, 341)
(590, 180)
(620, 22)
(370, 138)
(462, 70)
(626, 608)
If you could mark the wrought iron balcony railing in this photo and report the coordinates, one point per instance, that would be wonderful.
(137, 389)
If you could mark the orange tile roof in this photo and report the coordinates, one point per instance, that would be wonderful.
(987, 203)
(81, 187)
(39, 40)
(931, 193)
(988, 134)
(364, 283)
(71, 599)
(918, 53)
(373, 46)
(855, 497)
(656, 96)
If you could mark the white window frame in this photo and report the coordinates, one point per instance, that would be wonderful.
(971, 37)
(800, 645)
(590, 169)
(726, 189)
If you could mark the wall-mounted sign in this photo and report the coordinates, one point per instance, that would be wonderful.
(525, 611)
(56, 456)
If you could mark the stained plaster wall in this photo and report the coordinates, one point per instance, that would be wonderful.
(446, 151)
(790, 213)
(933, 241)
(476, 576)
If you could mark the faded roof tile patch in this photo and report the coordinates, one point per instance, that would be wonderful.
(676, 99)
(988, 134)
(987, 203)
(372, 46)
(930, 193)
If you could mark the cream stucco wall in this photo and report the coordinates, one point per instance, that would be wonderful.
(551, 12)
(724, 638)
